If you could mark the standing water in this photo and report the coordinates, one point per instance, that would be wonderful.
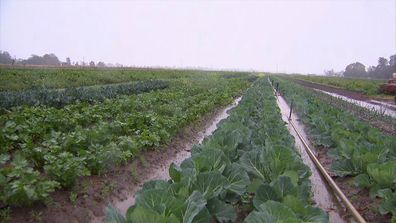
(161, 172)
(322, 194)
(380, 107)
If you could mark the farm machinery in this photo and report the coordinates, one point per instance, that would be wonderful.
(390, 87)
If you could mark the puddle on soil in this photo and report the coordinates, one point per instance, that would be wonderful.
(384, 104)
(322, 193)
(161, 172)
(380, 107)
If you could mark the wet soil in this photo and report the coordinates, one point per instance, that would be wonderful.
(347, 93)
(87, 200)
(184, 151)
(359, 197)
(322, 193)
(383, 123)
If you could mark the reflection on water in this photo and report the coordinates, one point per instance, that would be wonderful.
(322, 193)
(161, 172)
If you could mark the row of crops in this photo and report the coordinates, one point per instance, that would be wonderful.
(60, 98)
(367, 87)
(359, 150)
(45, 148)
(246, 171)
(22, 79)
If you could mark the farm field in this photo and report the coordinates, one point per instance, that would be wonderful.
(45, 148)
(55, 146)
(366, 87)
(19, 78)
(197, 111)
(357, 89)
(361, 158)
(246, 171)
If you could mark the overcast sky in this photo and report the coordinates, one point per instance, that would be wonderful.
(291, 36)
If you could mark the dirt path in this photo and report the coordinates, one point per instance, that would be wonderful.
(390, 104)
(87, 200)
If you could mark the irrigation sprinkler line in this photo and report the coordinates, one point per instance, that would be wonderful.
(328, 178)
(323, 171)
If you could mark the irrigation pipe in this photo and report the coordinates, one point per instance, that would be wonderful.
(324, 173)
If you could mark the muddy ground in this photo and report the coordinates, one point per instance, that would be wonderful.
(359, 197)
(347, 93)
(87, 200)
(386, 125)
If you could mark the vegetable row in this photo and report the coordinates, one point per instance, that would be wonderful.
(22, 79)
(44, 148)
(246, 171)
(367, 87)
(60, 98)
(358, 149)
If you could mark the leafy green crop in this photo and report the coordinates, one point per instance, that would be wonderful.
(249, 160)
(22, 79)
(59, 146)
(62, 97)
(21, 184)
(358, 149)
(367, 87)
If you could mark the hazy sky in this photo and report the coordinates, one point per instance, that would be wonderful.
(295, 36)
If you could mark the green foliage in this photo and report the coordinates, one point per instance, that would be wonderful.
(5, 215)
(60, 98)
(19, 79)
(367, 87)
(358, 149)
(251, 147)
(388, 205)
(65, 168)
(21, 184)
(62, 145)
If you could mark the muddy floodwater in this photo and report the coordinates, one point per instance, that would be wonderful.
(322, 193)
(160, 172)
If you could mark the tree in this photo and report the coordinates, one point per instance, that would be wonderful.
(92, 64)
(371, 69)
(382, 63)
(68, 61)
(101, 64)
(5, 58)
(355, 70)
(50, 59)
(46, 59)
(392, 63)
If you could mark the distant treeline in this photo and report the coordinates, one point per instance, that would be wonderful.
(47, 60)
(383, 70)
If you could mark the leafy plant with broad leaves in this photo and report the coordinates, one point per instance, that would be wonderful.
(358, 149)
(249, 160)
(20, 183)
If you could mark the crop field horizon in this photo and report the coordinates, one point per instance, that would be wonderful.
(197, 111)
